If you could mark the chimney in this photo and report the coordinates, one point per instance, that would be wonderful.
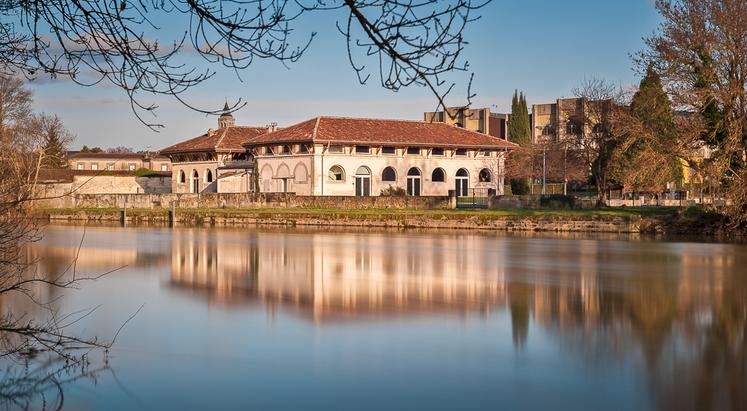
(272, 127)
(226, 119)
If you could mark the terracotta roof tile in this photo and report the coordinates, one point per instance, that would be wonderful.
(223, 139)
(379, 131)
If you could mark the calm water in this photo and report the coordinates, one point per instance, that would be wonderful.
(309, 319)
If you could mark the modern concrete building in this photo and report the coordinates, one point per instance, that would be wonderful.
(481, 120)
(364, 157)
(79, 160)
(565, 118)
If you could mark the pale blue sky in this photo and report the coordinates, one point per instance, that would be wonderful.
(544, 47)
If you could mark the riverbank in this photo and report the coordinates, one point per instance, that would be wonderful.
(643, 220)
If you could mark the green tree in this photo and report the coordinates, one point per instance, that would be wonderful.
(55, 139)
(520, 127)
(519, 166)
(647, 160)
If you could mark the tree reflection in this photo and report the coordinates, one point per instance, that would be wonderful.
(677, 311)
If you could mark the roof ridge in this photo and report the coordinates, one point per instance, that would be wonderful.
(222, 136)
(408, 120)
(316, 128)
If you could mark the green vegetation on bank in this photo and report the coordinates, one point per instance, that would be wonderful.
(389, 212)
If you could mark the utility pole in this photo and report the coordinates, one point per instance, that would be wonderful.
(544, 173)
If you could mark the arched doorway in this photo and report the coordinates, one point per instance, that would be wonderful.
(363, 182)
(462, 182)
(413, 182)
(195, 182)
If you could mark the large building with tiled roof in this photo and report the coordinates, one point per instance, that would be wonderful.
(203, 163)
(359, 156)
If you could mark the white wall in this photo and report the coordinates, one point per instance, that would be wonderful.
(319, 165)
(201, 167)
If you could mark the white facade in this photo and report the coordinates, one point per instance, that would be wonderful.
(194, 177)
(317, 172)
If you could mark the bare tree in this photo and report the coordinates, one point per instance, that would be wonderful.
(592, 136)
(31, 328)
(91, 41)
(700, 50)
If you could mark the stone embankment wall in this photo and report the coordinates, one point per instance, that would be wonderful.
(551, 201)
(239, 200)
(55, 193)
(447, 220)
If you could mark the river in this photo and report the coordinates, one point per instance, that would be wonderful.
(258, 318)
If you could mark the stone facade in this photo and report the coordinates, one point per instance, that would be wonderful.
(60, 194)
(240, 201)
(339, 156)
(195, 177)
(312, 173)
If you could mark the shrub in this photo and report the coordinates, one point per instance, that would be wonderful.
(394, 191)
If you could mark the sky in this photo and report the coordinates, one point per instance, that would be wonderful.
(544, 48)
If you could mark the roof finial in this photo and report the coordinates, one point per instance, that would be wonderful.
(226, 110)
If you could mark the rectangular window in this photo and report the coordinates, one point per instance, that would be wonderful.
(164, 167)
(461, 152)
(388, 150)
(94, 166)
(485, 153)
(362, 149)
(131, 166)
(413, 151)
(81, 166)
(303, 149)
(335, 148)
(268, 151)
(286, 150)
(437, 152)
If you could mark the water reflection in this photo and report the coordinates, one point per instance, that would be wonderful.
(341, 275)
(680, 307)
(676, 312)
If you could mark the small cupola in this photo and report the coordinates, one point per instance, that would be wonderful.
(226, 119)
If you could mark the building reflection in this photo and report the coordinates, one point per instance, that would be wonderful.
(338, 275)
(681, 308)
(677, 309)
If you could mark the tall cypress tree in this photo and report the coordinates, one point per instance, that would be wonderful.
(520, 127)
(513, 130)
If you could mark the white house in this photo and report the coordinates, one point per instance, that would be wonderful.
(205, 163)
(364, 157)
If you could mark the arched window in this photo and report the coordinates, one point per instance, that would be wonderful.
(209, 176)
(300, 173)
(182, 177)
(462, 182)
(389, 174)
(363, 181)
(413, 182)
(438, 175)
(195, 181)
(336, 173)
(485, 176)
